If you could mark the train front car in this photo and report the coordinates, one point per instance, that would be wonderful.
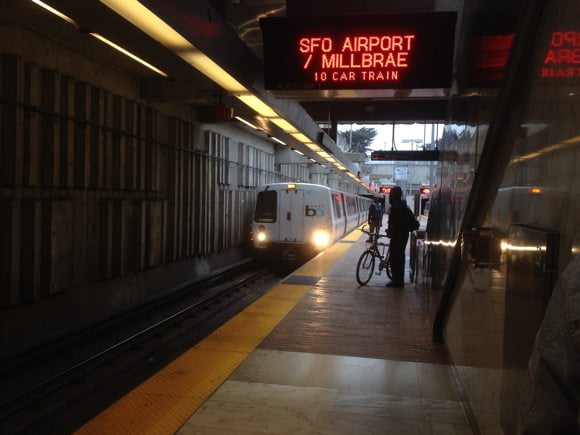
(292, 220)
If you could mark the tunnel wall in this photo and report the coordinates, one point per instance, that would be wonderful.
(108, 201)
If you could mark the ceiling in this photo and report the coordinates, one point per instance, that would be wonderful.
(228, 32)
(243, 17)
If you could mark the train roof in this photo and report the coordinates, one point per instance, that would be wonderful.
(284, 186)
(273, 186)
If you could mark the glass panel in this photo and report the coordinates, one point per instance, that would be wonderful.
(266, 206)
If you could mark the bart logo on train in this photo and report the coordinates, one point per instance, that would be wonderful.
(313, 211)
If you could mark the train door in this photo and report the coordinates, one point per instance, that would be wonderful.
(292, 215)
(344, 212)
(339, 214)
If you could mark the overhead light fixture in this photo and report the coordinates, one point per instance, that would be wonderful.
(156, 28)
(147, 21)
(298, 152)
(55, 12)
(278, 140)
(102, 38)
(249, 124)
(300, 137)
(143, 18)
(256, 104)
(572, 140)
(128, 54)
(284, 125)
(313, 146)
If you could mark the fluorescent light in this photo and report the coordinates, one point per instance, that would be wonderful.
(284, 125)
(249, 124)
(301, 137)
(101, 38)
(256, 104)
(128, 53)
(505, 246)
(313, 146)
(155, 27)
(55, 12)
(278, 140)
(572, 140)
(298, 152)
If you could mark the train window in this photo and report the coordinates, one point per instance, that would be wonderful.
(266, 206)
(351, 206)
(337, 205)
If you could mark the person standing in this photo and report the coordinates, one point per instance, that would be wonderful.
(375, 219)
(401, 221)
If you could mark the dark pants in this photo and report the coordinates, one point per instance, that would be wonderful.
(375, 226)
(398, 245)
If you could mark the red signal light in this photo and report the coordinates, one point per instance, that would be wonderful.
(424, 190)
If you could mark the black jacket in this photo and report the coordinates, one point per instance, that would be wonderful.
(398, 220)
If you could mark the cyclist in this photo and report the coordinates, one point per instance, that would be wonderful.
(398, 232)
(375, 219)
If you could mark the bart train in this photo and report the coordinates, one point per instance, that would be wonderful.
(291, 219)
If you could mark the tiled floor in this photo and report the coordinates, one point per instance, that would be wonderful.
(345, 360)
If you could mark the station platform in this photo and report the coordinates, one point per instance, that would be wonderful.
(317, 354)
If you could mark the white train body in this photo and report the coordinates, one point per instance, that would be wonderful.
(289, 217)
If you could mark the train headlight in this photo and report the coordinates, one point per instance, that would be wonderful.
(261, 234)
(321, 238)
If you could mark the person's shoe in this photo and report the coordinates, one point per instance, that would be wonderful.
(395, 284)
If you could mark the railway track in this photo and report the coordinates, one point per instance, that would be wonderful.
(67, 382)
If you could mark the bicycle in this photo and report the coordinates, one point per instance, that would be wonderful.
(366, 263)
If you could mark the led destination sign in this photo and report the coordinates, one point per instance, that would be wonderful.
(562, 58)
(418, 156)
(363, 52)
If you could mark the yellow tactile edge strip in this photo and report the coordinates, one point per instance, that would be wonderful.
(164, 402)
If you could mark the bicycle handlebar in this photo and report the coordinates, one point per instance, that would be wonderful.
(364, 230)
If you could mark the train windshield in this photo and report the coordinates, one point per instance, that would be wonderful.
(266, 206)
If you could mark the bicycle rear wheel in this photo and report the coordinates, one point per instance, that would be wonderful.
(365, 267)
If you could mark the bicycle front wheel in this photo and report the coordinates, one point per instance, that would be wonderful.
(365, 267)
(387, 264)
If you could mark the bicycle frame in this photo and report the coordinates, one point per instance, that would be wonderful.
(366, 262)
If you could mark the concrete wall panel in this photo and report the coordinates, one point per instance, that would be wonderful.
(101, 189)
